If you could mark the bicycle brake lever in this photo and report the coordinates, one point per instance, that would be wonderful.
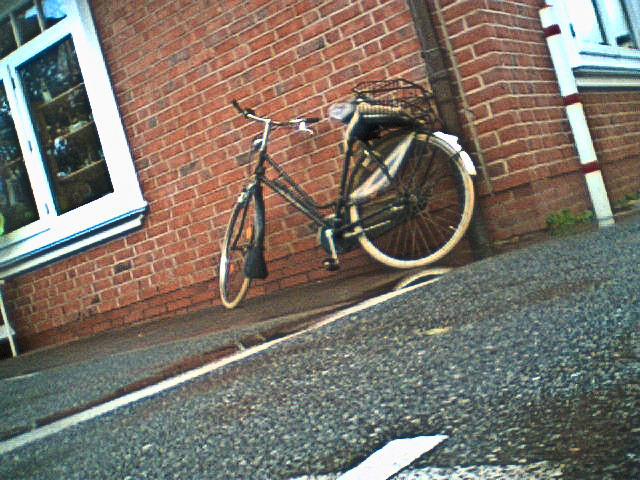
(302, 126)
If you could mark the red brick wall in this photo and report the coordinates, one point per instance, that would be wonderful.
(175, 66)
(614, 122)
(515, 101)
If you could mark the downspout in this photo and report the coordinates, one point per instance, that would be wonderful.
(577, 119)
(440, 83)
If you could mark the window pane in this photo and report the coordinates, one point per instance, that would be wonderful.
(618, 23)
(17, 205)
(21, 24)
(584, 22)
(7, 38)
(63, 122)
(54, 11)
(26, 22)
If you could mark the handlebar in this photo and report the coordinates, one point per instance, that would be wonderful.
(296, 122)
(244, 113)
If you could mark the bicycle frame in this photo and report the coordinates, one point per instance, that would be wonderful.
(335, 224)
(294, 195)
(287, 189)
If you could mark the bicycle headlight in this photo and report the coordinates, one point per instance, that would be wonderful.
(342, 111)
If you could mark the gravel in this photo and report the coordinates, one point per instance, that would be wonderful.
(529, 362)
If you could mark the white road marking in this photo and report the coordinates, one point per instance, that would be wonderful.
(19, 377)
(429, 275)
(532, 471)
(97, 411)
(392, 458)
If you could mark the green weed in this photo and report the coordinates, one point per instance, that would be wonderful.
(564, 221)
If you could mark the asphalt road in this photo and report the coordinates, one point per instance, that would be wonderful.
(527, 357)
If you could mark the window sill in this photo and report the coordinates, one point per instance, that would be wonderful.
(53, 244)
(607, 77)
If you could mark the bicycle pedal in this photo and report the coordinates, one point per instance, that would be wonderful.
(331, 264)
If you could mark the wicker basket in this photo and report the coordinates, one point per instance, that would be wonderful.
(410, 97)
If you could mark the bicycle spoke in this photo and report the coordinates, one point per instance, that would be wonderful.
(421, 244)
(434, 230)
(444, 227)
(425, 242)
(435, 193)
(417, 159)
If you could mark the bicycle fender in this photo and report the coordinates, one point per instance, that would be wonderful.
(452, 140)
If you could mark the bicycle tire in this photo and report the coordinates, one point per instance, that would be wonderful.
(424, 212)
(238, 237)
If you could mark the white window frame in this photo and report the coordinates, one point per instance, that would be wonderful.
(601, 65)
(54, 235)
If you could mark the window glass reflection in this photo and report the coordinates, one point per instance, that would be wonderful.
(584, 22)
(17, 204)
(619, 24)
(7, 38)
(63, 122)
(27, 21)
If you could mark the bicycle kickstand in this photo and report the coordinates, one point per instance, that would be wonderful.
(331, 264)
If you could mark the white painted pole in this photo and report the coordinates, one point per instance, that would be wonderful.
(577, 119)
(5, 319)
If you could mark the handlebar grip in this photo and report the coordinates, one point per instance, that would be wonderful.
(312, 120)
(244, 113)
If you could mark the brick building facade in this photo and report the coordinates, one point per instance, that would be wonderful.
(175, 66)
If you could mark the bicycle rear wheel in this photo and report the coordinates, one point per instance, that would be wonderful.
(426, 209)
(239, 236)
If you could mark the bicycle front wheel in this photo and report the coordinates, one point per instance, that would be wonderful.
(426, 209)
(238, 238)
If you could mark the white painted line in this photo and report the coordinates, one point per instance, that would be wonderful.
(60, 425)
(63, 424)
(392, 458)
(329, 476)
(436, 273)
(19, 377)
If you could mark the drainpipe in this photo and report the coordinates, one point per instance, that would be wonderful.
(577, 119)
(440, 82)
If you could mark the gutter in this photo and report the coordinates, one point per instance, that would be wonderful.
(440, 82)
(577, 119)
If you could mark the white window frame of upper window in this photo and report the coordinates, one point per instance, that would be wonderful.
(601, 65)
(54, 235)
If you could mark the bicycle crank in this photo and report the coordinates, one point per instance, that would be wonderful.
(332, 263)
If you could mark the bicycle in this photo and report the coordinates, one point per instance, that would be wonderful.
(407, 198)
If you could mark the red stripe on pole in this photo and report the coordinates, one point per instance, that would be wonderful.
(590, 167)
(551, 30)
(571, 99)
